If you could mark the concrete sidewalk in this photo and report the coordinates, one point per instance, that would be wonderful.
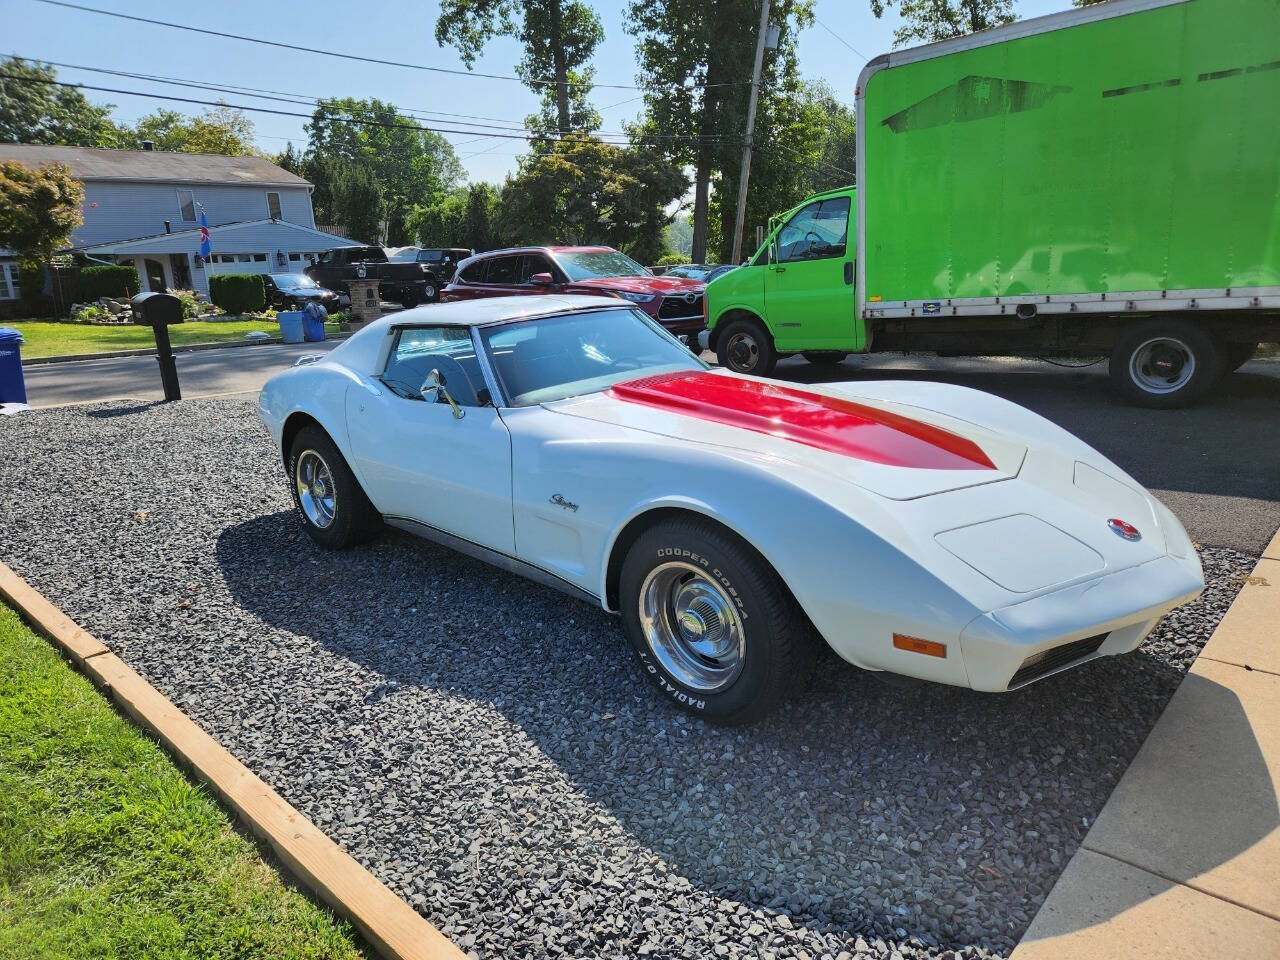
(1184, 860)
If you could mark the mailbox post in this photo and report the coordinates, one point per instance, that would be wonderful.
(158, 311)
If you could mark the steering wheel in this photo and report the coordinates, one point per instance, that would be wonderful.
(817, 243)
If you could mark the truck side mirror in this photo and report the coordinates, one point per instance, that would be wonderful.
(542, 279)
(773, 251)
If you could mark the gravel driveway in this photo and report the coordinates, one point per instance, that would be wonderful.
(487, 748)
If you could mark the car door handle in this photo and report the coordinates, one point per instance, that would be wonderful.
(779, 269)
(848, 272)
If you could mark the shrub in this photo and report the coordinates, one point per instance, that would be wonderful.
(237, 292)
(31, 277)
(671, 260)
(190, 305)
(119, 281)
(86, 314)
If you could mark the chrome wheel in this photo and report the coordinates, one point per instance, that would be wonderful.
(1162, 365)
(691, 626)
(742, 351)
(316, 492)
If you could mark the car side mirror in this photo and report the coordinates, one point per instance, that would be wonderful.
(433, 389)
(542, 279)
(773, 251)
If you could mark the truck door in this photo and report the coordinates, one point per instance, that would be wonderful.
(808, 285)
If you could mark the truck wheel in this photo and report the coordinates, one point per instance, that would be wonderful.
(430, 293)
(335, 511)
(744, 346)
(711, 623)
(409, 299)
(1238, 354)
(1165, 363)
(824, 358)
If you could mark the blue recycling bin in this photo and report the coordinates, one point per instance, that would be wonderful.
(290, 325)
(313, 318)
(12, 387)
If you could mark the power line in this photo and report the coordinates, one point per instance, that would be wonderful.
(358, 57)
(305, 99)
(819, 22)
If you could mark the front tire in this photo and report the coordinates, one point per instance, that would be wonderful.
(430, 292)
(744, 346)
(1165, 363)
(334, 509)
(711, 623)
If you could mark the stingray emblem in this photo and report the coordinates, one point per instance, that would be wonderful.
(560, 501)
(1124, 530)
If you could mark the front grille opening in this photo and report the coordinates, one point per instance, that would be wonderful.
(677, 306)
(1046, 661)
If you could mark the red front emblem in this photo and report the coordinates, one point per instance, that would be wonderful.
(1124, 529)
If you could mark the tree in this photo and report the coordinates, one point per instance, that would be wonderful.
(289, 159)
(580, 190)
(695, 58)
(221, 130)
(39, 209)
(409, 165)
(559, 38)
(34, 109)
(347, 194)
(927, 21)
(465, 217)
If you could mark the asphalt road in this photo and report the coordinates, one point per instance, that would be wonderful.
(1217, 465)
(201, 373)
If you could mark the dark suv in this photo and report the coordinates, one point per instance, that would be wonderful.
(675, 302)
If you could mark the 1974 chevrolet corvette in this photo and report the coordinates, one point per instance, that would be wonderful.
(920, 529)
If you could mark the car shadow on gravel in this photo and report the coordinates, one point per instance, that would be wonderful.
(858, 808)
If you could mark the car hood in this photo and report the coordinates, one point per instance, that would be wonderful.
(894, 450)
(658, 285)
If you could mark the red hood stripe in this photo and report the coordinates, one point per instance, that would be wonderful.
(828, 423)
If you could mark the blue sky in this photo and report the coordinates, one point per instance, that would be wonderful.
(398, 31)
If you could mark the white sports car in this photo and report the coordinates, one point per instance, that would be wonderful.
(920, 529)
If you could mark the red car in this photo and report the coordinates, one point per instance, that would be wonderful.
(675, 302)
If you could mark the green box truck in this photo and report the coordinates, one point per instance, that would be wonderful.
(1103, 180)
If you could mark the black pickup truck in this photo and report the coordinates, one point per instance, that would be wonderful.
(408, 282)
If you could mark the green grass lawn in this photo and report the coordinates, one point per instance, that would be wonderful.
(107, 850)
(63, 339)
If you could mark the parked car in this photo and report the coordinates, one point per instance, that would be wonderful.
(287, 291)
(1101, 232)
(706, 272)
(445, 260)
(409, 283)
(675, 302)
(922, 529)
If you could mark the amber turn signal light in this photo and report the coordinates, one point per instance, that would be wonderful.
(929, 648)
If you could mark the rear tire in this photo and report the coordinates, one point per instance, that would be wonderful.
(824, 358)
(744, 346)
(1165, 363)
(334, 509)
(711, 623)
(409, 299)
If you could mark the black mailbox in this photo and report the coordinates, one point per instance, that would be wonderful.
(158, 311)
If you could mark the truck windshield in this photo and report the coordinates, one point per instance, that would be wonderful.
(599, 263)
(551, 358)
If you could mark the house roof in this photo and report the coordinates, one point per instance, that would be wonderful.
(92, 163)
(247, 236)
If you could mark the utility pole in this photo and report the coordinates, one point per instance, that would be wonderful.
(761, 41)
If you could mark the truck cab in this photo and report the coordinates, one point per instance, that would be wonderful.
(796, 295)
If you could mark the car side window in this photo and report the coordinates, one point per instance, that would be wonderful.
(532, 263)
(447, 350)
(505, 270)
(474, 273)
(818, 231)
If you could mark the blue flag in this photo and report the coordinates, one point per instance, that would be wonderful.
(206, 246)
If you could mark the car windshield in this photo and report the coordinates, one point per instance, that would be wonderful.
(599, 263)
(292, 280)
(551, 358)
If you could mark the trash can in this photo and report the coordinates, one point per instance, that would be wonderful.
(12, 387)
(290, 325)
(313, 318)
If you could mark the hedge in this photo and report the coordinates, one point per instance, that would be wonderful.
(115, 280)
(237, 292)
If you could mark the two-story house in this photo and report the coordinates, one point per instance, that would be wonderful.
(143, 207)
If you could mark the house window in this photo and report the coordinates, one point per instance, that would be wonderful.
(295, 257)
(243, 258)
(9, 281)
(227, 258)
(260, 257)
(187, 203)
(273, 205)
